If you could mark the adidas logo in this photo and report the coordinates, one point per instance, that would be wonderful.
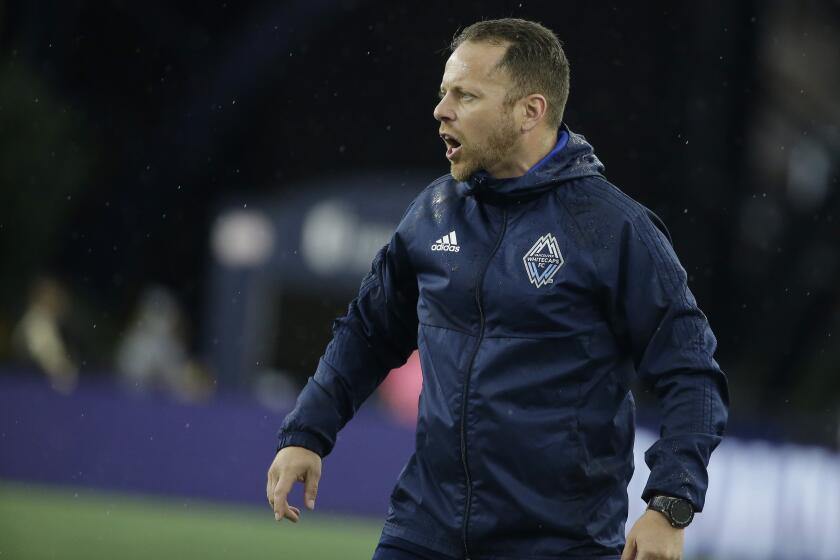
(447, 243)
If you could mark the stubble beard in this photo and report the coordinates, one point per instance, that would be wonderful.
(486, 155)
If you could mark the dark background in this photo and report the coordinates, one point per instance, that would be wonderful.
(123, 124)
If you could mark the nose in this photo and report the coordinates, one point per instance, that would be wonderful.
(443, 110)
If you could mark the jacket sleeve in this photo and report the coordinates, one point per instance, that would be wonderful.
(377, 334)
(657, 318)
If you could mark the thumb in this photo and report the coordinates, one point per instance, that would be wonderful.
(629, 549)
(311, 488)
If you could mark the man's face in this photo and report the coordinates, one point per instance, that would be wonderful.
(478, 126)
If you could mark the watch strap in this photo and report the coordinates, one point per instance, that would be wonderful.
(664, 505)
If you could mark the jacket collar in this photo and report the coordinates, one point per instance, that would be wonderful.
(571, 158)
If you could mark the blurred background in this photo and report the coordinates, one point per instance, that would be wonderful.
(191, 192)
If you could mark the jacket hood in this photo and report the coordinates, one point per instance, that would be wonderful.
(572, 158)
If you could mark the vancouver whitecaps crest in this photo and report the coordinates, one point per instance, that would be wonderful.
(543, 260)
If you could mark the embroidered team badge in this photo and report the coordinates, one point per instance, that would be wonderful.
(543, 261)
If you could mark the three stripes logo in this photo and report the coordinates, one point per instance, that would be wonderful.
(447, 243)
(543, 261)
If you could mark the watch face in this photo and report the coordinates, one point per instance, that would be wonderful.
(681, 511)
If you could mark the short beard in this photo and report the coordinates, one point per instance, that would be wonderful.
(500, 140)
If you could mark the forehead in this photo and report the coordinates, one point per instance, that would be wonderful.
(475, 63)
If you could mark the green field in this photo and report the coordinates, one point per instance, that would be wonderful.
(40, 522)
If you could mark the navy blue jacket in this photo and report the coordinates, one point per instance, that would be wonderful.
(531, 319)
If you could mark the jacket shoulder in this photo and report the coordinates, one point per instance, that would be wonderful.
(441, 188)
(438, 192)
(601, 208)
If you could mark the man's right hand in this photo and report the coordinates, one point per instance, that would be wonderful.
(292, 464)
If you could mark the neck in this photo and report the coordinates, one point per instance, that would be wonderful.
(531, 149)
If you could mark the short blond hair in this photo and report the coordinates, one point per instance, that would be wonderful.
(534, 59)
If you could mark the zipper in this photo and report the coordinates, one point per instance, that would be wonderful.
(478, 285)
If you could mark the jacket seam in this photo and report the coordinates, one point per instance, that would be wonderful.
(652, 243)
(527, 337)
(665, 269)
(548, 336)
(669, 275)
(564, 557)
(590, 242)
(442, 179)
(453, 329)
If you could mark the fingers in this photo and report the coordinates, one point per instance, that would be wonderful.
(292, 513)
(629, 550)
(269, 490)
(279, 497)
(279, 501)
(311, 488)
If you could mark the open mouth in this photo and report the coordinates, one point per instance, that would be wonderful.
(453, 145)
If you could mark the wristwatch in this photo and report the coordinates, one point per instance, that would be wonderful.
(678, 511)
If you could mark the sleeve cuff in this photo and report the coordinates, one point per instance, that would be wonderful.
(684, 492)
(300, 439)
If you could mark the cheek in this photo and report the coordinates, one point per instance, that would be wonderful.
(477, 125)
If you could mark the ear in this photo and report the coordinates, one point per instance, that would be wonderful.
(534, 107)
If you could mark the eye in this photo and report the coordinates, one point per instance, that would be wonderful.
(467, 96)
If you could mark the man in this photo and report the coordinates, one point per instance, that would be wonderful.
(534, 291)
